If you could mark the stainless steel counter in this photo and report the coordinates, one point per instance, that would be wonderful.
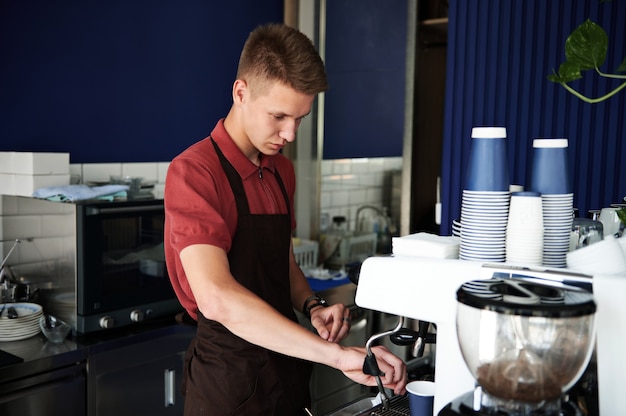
(40, 356)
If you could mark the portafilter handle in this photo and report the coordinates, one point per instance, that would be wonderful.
(370, 366)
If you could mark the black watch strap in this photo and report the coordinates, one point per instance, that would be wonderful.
(313, 302)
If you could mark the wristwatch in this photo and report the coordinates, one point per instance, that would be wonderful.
(313, 302)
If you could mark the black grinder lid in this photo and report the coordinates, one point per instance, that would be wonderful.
(526, 297)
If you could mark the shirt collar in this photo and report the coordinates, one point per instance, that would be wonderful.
(235, 156)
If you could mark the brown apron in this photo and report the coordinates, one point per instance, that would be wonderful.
(226, 375)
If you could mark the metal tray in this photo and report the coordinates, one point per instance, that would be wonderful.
(399, 406)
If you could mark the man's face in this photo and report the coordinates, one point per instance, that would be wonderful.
(270, 119)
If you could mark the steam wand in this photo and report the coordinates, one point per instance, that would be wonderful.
(370, 366)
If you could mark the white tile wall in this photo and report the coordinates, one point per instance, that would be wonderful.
(102, 172)
(99, 172)
(48, 223)
(348, 184)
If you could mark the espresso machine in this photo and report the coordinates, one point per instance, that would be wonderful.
(427, 289)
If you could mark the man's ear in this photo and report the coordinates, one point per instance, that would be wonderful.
(240, 91)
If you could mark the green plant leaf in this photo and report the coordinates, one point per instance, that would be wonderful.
(585, 49)
(587, 46)
(568, 71)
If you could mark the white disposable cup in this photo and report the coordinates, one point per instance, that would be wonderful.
(525, 211)
(525, 229)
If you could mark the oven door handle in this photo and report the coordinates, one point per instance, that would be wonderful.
(122, 210)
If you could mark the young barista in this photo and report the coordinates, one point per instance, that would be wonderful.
(229, 219)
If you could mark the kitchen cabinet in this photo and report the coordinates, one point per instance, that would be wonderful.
(140, 378)
(60, 392)
(134, 371)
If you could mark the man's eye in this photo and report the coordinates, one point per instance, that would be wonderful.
(278, 116)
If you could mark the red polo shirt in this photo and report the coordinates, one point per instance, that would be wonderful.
(200, 205)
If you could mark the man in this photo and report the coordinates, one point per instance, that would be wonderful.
(229, 218)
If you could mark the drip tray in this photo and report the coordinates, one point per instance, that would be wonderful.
(398, 406)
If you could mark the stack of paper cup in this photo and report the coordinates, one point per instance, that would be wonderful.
(524, 231)
(486, 197)
(550, 177)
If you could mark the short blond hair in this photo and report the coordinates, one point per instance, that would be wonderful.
(277, 52)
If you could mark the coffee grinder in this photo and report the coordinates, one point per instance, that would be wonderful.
(526, 343)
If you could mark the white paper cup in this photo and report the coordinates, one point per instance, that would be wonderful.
(525, 229)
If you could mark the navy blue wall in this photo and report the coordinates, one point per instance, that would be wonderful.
(365, 62)
(119, 80)
(499, 54)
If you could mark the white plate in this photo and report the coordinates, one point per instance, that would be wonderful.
(19, 336)
(24, 310)
(21, 331)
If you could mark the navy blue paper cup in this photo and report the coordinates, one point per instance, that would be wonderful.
(421, 397)
(487, 169)
(550, 174)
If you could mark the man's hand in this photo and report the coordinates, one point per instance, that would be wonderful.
(331, 323)
(393, 368)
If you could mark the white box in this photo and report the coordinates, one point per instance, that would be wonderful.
(25, 185)
(7, 184)
(6, 162)
(35, 163)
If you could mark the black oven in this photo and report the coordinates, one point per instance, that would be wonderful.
(121, 278)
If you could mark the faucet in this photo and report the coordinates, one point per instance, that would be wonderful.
(364, 207)
(7, 276)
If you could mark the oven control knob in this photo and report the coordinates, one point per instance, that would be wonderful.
(136, 315)
(107, 322)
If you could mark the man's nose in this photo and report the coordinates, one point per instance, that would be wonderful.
(288, 132)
